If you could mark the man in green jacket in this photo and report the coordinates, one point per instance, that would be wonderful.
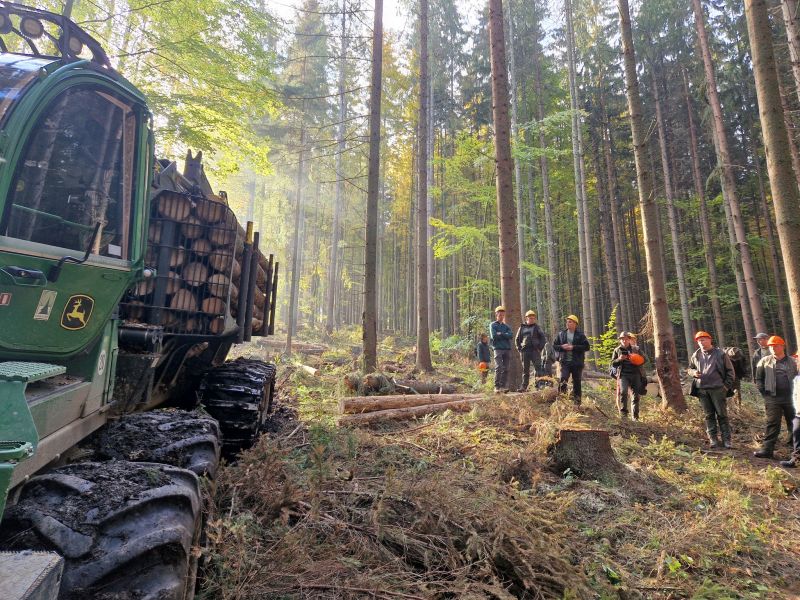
(774, 377)
(713, 376)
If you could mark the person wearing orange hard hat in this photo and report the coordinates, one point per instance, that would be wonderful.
(714, 379)
(775, 377)
(627, 364)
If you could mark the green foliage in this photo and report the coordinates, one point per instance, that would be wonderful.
(605, 343)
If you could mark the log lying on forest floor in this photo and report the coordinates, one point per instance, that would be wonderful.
(365, 404)
(407, 413)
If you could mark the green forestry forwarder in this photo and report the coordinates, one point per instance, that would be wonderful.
(123, 286)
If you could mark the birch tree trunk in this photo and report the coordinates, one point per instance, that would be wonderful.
(705, 223)
(672, 213)
(666, 358)
(728, 180)
(776, 143)
(423, 329)
(506, 215)
(370, 317)
(333, 268)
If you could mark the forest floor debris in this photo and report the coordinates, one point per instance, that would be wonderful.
(465, 506)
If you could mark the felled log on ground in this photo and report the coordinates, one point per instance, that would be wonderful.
(585, 452)
(425, 387)
(408, 413)
(365, 404)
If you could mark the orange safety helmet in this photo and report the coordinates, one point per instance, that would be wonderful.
(482, 366)
(700, 334)
(775, 340)
(637, 359)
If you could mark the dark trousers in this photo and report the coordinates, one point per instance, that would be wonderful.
(715, 406)
(627, 385)
(777, 409)
(529, 358)
(575, 371)
(501, 360)
(796, 437)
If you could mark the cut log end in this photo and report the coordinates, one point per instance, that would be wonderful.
(585, 452)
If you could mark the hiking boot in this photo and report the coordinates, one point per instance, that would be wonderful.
(789, 464)
(763, 454)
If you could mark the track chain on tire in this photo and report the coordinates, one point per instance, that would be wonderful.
(238, 394)
(125, 530)
(187, 439)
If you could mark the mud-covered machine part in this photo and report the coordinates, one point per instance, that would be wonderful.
(239, 394)
(125, 530)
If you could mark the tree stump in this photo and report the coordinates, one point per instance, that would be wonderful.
(587, 453)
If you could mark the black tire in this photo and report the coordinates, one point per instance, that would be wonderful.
(238, 394)
(126, 530)
(190, 440)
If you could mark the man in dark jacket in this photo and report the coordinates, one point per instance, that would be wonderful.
(713, 376)
(530, 342)
(501, 335)
(761, 352)
(775, 377)
(571, 345)
(629, 373)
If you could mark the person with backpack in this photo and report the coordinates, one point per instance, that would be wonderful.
(501, 335)
(530, 342)
(713, 377)
(775, 377)
(627, 363)
(571, 345)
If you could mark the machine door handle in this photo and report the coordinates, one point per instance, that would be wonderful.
(24, 277)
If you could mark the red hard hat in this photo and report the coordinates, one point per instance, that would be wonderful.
(700, 334)
(775, 341)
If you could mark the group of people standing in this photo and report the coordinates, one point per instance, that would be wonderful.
(569, 348)
(714, 379)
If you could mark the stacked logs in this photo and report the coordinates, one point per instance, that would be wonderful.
(196, 244)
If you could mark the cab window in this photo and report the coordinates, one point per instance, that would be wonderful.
(75, 172)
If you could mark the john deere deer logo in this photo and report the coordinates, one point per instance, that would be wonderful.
(77, 312)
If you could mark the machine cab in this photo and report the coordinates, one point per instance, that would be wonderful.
(74, 164)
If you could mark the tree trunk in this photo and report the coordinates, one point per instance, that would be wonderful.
(523, 287)
(776, 142)
(423, 329)
(291, 325)
(585, 452)
(506, 215)
(666, 358)
(584, 252)
(728, 180)
(370, 318)
(705, 223)
(333, 268)
(552, 264)
(790, 19)
(672, 214)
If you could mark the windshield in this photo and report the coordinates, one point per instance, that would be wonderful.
(16, 73)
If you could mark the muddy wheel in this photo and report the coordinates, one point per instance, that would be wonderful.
(126, 530)
(239, 394)
(190, 440)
